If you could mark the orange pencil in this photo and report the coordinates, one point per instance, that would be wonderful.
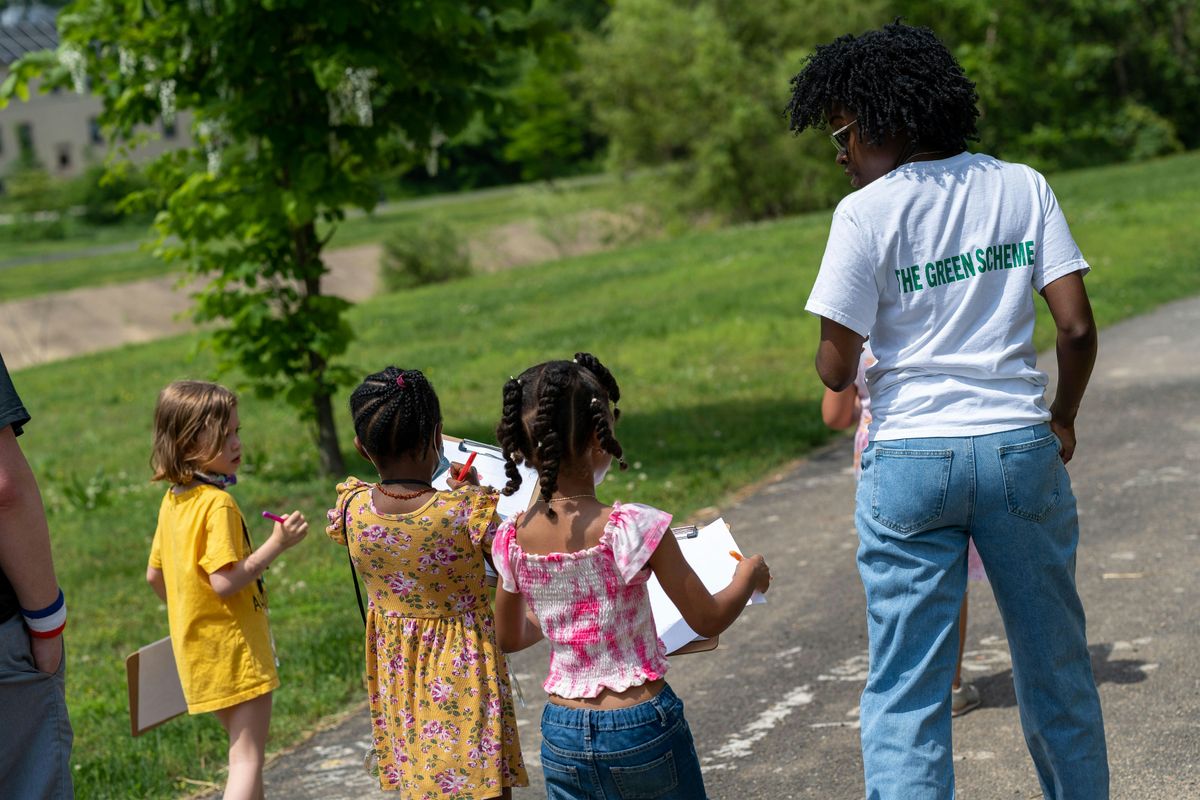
(737, 556)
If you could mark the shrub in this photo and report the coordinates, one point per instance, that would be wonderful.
(101, 191)
(417, 254)
(37, 202)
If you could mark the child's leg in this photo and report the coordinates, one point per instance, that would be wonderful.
(247, 725)
(962, 642)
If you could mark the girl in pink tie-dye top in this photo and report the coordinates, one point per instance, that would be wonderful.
(574, 571)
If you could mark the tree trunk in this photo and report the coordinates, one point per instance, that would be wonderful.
(308, 250)
(330, 454)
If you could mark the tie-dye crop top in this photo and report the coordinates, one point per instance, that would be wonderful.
(593, 604)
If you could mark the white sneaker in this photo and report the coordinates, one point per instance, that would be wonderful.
(964, 699)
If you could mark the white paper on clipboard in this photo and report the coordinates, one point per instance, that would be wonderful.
(708, 555)
(489, 464)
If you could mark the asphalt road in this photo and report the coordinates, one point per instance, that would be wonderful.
(774, 708)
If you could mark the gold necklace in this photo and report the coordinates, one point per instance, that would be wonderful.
(404, 495)
(572, 497)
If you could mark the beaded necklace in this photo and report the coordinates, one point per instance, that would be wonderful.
(403, 495)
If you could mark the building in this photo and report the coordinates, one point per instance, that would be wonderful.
(59, 129)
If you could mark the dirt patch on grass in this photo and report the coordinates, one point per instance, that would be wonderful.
(61, 325)
(528, 242)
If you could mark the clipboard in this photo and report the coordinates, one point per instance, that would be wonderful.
(698, 645)
(707, 552)
(155, 693)
(489, 465)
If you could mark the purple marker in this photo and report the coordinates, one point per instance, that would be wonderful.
(272, 517)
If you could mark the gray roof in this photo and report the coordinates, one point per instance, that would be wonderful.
(27, 35)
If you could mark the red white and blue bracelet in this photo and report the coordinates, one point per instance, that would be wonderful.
(49, 621)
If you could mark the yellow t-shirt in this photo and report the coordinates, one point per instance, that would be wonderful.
(222, 645)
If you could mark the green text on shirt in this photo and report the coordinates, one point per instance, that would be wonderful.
(961, 266)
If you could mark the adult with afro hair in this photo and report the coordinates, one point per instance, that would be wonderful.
(936, 257)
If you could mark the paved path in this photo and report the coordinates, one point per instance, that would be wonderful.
(774, 709)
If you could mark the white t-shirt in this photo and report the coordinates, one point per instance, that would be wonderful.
(936, 262)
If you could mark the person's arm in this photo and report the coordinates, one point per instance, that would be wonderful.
(25, 556)
(840, 410)
(706, 614)
(154, 577)
(1076, 348)
(232, 578)
(516, 626)
(838, 354)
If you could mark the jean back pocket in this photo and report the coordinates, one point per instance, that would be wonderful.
(656, 778)
(909, 489)
(562, 780)
(1032, 472)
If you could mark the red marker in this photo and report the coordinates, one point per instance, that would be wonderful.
(466, 467)
(272, 517)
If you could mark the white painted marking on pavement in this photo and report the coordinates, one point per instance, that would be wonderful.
(741, 744)
(852, 669)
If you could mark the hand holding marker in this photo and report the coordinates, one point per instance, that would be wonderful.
(466, 467)
(762, 573)
(291, 530)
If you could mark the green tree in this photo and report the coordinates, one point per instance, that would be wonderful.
(549, 127)
(538, 127)
(700, 87)
(298, 105)
(1076, 82)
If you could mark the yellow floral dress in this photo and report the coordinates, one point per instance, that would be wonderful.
(441, 705)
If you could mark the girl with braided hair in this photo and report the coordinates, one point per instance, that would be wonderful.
(441, 703)
(937, 257)
(574, 570)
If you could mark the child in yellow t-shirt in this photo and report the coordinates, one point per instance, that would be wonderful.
(204, 566)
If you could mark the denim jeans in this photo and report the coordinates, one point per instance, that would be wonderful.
(644, 751)
(918, 502)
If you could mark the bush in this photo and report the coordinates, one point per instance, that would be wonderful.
(38, 204)
(422, 253)
(101, 192)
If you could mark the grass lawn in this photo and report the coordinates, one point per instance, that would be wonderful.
(52, 267)
(706, 334)
(31, 280)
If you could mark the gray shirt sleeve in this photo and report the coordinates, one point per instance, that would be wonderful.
(12, 412)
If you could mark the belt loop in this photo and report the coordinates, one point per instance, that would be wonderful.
(658, 706)
(587, 729)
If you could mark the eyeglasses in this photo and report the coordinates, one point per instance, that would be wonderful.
(841, 137)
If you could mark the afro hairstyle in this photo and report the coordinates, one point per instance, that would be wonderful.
(899, 80)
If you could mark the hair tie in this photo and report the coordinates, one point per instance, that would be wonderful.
(400, 381)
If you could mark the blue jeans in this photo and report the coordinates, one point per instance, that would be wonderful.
(644, 751)
(918, 502)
